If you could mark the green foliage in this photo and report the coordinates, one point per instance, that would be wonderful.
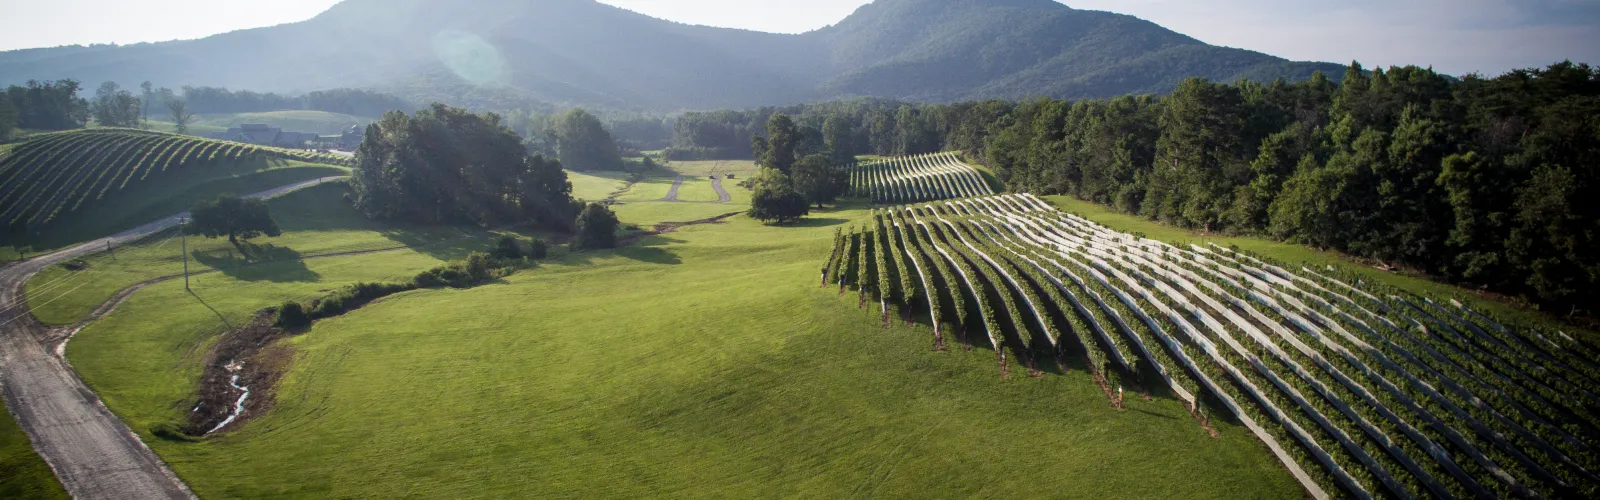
(115, 107)
(506, 248)
(817, 179)
(447, 165)
(49, 105)
(233, 217)
(777, 202)
(596, 227)
(584, 144)
(292, 316)
(8, 119)
(538, 249)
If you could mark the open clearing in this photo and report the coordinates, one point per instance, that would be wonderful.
(730, 374)
(597, 185)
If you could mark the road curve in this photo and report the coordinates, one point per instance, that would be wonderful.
(92, 452)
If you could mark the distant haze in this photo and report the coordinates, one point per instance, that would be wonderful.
(1454, 36)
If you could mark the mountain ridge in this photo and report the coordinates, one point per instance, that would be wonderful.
(511, 53)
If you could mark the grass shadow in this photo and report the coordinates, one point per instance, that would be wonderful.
(244, 263)
(812, 222)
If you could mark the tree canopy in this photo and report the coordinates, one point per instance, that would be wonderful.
(232, 216)
(584, 144)
(597, 228)
(446, 165)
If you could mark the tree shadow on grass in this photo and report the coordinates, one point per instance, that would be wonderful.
(246, 263)
(649, 249)
(811, 222)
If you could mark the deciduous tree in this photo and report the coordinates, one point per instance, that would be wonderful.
(232, 216)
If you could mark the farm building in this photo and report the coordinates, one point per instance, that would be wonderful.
(262, 135)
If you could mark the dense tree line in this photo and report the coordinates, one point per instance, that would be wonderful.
(445, 165)
(1480, 180)
(50, 105)
(210, 100)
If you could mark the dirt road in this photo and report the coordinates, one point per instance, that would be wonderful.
(672, 194)
(91, 451)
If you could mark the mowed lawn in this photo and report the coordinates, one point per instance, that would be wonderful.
(703, 362)
(1296, 255)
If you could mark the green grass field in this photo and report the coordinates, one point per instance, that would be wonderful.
(22, 473)
(315, 221)
(703, 362)
(596, 186)
(1298, 254)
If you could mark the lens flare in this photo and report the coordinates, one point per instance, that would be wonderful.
(472, 58)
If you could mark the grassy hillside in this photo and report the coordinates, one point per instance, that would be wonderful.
(596, 186)
(701, 362)
(72, 186)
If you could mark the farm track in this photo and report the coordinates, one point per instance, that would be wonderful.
(672, 194)
(722, 194)
(716, 184)
(92, 452)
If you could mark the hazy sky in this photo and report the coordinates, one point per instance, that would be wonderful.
(1454, 36)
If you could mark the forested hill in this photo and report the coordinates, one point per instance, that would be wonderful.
(513, 53)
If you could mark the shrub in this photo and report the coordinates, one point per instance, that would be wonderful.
(597, 228)
(507, 248)
(537, 249)
(354, 296)
(291, 315)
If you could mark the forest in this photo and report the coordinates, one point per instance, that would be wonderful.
(1479, 180)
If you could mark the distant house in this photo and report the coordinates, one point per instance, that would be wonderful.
(262, 135)
(352, 137)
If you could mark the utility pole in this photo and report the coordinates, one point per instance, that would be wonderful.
(183, 229)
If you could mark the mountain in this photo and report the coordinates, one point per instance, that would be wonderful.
(505, 53)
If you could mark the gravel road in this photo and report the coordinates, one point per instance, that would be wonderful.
(91, 451)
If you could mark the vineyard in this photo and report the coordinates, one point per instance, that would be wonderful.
(52, 175)
(1360, 390)
(916, 178)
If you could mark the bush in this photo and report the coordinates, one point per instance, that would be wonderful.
(507, 248)
(478, 268)
(597, 228)
(354, 296)
(292, 316)
(537, 249)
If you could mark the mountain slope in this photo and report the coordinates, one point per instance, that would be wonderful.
(506, 53)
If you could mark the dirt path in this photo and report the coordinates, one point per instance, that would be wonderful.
(716, 184)
(92, 452)
(672, 194)
(722, 194)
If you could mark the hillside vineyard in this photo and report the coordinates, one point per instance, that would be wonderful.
(916, 178)
(55, 174)
(1358, 389)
